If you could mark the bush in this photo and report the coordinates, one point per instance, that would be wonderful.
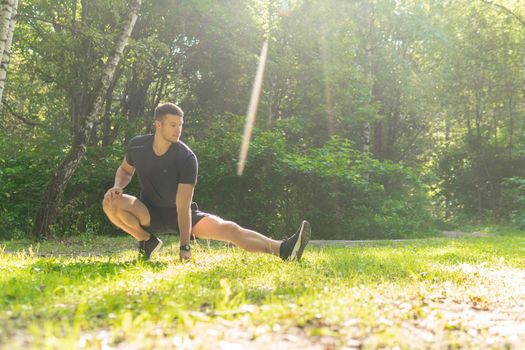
(82, 207)
(256, 199)
(23, 176)
(471, 182)
(514, 198)
(350, 195)
(344, 193)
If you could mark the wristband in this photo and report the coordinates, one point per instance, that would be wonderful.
(185, 247)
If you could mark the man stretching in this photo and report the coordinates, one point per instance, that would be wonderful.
(167, 170)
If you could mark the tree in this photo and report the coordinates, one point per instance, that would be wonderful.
(7, 28)
(7, 7)
(53, 194)
(516, 16)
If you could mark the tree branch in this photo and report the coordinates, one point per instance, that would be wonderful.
(19, 116)
(507, 10)
(40, 19)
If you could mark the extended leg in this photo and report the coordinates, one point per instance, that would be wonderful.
(213, 227)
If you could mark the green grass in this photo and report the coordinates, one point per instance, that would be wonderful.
(51, 297)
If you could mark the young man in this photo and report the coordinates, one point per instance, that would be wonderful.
(167, 170)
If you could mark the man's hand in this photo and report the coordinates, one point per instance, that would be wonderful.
(112, 194)
(185, 255)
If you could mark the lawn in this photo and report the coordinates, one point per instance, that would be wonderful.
(438, 293)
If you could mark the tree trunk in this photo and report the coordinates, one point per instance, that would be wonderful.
(271, 83)
(377, 140)
(479, 113)
(6, 14)
(157, 97)
(523, 68)
(109, 131)
(370, 77)
(134, 102)
(447, 132)
(511, 125)
(469, 122)
(6, 52)
(54, 192)
(325, 62)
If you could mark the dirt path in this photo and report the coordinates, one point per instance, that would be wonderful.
(352, 243)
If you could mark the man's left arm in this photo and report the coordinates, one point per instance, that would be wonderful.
(183, 202)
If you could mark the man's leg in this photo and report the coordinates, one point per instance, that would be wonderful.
(213, 227)
(129, 214)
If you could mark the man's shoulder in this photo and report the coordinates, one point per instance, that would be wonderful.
(185, 149)
(140, 140)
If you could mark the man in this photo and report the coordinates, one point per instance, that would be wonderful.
(167, 170)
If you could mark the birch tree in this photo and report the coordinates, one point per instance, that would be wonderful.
(51, 200)
(6, 13)
(6, 52)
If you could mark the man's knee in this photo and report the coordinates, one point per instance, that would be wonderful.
(110, 208)
(115, 204)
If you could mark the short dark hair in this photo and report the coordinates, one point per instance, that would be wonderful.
(167, 108)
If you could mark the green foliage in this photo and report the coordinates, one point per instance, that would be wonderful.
(258, 198)
(478, 181)
(82, 211)
(419, 84)
(353, 195)
(514, 198)
(344, 193)
(23, 175)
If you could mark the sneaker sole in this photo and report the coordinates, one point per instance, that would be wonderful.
(304, 237)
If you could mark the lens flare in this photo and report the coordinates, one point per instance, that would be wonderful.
(252, 109)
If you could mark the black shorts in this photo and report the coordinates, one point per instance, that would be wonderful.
(164, 220)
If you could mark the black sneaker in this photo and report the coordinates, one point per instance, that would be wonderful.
(147, 248)
(292, 248)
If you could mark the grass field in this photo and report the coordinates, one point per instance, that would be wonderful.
(437, 293)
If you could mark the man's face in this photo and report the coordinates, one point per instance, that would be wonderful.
(170, 127)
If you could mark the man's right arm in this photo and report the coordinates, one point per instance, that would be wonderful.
(124, 174)
(122, 178)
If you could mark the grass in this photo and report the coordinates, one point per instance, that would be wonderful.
(91, 293)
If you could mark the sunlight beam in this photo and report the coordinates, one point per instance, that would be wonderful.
(252, 109)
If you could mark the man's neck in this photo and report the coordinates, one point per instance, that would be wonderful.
(160, 145)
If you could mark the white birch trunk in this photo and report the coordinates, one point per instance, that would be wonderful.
(51, 200)
(6, 55)
(6, 11)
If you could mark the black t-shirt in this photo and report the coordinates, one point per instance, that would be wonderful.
(160, 176)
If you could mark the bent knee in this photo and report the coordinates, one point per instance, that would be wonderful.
(110, 207)
(114, 205)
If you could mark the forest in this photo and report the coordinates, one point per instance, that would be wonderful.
(377, 118)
